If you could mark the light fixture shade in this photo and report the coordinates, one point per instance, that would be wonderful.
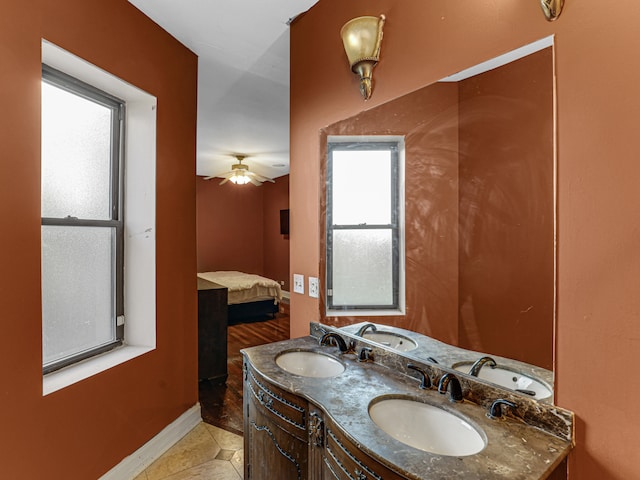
(362, 37)
(239, 178)
(552, 9)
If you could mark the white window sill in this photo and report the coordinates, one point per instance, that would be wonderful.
(60, 379)
(364, 313)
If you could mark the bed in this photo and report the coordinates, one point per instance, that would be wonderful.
(251, 297)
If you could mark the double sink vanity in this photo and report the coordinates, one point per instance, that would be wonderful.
(377, 402)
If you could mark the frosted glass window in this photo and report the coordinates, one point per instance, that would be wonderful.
(82, 224)
(361, 187)
(76, 160)
(77, 289)
(363, 226)
(362, 268)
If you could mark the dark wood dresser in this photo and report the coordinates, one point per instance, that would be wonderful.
(212, 331)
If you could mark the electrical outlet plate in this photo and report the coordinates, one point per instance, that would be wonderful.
(298, 283)
(313, 287)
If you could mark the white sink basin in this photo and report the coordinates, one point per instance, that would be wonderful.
(309, 364)
(509, 379)
(426, 427)
(393, 340)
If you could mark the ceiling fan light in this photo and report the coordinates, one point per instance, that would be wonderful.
(239, 178)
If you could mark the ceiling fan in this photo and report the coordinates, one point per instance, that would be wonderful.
(241, 175)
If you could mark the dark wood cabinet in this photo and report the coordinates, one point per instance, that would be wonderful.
(301, 427)
(212, 331)
(289, 439)
(275, 431)
(342, 460)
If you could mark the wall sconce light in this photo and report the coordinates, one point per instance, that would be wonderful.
(362, 37)
(552, 8)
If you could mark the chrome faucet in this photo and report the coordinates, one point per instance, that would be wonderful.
(342, 345)
(367, 326)
(475, 368)
(426, 379)
(455, 390)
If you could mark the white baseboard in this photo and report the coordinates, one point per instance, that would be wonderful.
(138, 461)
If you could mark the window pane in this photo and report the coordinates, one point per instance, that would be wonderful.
(76, 156)
(362, 267)
(77, 286)
(361, 187)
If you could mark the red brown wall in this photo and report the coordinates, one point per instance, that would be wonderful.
(238, 228)
(506, 232)
(82, 431)
(598, 103)
(276, 245)
(229, 226)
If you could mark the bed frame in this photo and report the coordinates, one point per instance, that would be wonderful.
(252, 312)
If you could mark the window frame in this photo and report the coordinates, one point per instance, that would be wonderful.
(395, 145)
(117, 106)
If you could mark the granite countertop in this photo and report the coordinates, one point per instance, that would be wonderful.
(514, 451)
(452, 356)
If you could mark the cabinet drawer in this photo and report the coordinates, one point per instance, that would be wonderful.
(343, 461)
(286, 410)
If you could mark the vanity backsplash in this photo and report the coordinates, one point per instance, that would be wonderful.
(396, 348)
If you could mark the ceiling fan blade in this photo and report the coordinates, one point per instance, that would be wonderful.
(257, 183)
(222, 175)
(224, 181)
(260, 177)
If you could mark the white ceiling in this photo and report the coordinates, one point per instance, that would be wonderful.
(243, 77)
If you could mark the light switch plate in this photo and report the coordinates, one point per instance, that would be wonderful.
(313, 287)
(298, 283)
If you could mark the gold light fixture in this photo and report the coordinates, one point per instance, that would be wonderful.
(361, 38)
(552, 8)
(239, 172)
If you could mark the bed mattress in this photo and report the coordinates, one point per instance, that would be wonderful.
(245, 287)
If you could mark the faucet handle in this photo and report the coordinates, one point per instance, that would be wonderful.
(475, 368)
(426, 379)
(337, 340)
(367, 326)
(365, 355)
(495, 411)
(455, 389)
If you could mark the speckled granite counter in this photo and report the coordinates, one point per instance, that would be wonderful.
(451, 356)
(515, 450)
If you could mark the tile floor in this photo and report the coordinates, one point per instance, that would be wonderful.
(207, 452)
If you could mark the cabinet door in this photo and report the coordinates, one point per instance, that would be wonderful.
(275, 434)
(273, 453)
(342, 460)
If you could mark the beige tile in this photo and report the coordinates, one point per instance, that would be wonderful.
(225, 454)
(196, 448)
(142, 476)
(213, 470)
(226, 440)
(238, 462)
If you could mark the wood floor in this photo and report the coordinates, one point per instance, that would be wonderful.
(222, 404)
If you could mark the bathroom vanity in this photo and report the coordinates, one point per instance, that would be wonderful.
(313, 419)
